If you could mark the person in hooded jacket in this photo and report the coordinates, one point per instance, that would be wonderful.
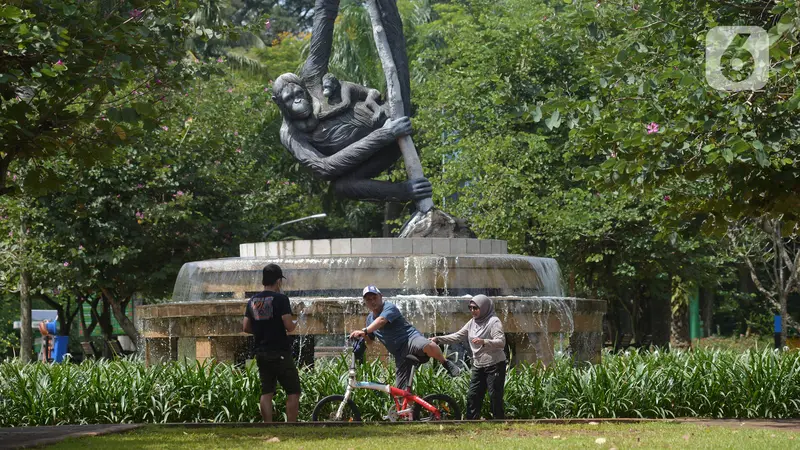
(484, 332)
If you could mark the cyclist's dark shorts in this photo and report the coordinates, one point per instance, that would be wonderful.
(277, 366)
(414, 346)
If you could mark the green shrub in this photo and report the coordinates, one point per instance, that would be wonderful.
(754, 384)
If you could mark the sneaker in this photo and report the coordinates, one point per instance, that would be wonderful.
(452, 368)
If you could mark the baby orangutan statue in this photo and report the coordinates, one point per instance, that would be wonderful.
(342, 95)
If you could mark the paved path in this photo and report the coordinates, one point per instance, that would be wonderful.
(25, 437)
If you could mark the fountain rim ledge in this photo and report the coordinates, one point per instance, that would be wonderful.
(450, 305)
(374, 246)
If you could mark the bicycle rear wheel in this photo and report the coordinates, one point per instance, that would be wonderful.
(447, 406)
(326, 409)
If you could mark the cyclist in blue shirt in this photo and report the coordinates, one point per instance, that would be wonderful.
(398, 336)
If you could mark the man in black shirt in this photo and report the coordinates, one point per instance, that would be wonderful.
(268, 317)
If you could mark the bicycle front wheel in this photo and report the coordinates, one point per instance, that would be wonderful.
(326, 409)
(447, 406)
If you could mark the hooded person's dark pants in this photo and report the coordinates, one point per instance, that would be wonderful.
(494, 378)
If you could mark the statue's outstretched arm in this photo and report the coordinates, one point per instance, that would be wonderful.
(340, 163)
(319, 53)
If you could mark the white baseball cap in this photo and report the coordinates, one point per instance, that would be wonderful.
(371, 289)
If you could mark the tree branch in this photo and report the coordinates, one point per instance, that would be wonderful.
(749, 7)
(756, 281)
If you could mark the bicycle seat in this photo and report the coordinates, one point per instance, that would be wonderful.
(417, 360)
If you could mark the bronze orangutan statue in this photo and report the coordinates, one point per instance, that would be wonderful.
(346, 137)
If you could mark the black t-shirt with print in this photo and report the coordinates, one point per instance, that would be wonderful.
(265, 310)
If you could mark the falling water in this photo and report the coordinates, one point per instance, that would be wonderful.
(431, 290)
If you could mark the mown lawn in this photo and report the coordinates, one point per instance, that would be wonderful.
(493, 436)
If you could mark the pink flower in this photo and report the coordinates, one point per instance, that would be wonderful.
(139, 186)
(117, 195)
(139, 215)
(235, 133)
(158, 81)
(219, 60)
(266, 89)
(178, 194)
(667, 198)
(230, 90)
(267, 25)
(66, 264)
(613, 153)
(59, 63)
(238, 150)
(56, 291)
(135, 14)
(165, 128)
(80, 247)
(652, 128)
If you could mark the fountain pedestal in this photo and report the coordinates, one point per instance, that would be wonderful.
(429, 279)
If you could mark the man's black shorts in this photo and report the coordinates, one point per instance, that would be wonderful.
(277, 366)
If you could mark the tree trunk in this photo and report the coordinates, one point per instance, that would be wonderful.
(679, 329)
(708, 311)
(386, 228)
(659, 307)
(71, 315)
(88, 329)
(119, 308)
(391, 212)
(635, 325)
(784, 317)
(679, 326)
(26, 329)
(26, 319)
(104, 321)
(65, 315)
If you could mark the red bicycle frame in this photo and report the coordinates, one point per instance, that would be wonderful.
(404, 409)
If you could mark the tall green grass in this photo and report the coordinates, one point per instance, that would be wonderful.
(755, 384)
